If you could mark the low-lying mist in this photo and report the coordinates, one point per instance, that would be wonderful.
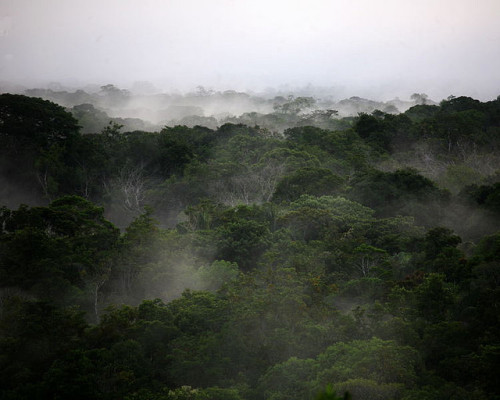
(143, 107)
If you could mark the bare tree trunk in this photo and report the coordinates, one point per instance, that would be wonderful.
(43, 179)
(132, 184)
(98, 285)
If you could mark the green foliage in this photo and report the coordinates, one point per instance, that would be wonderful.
(294, 105)
(459, 176)
(329, 394)
(47, 249)
(434, 298)
(383, 131)
(486, 196)
(368, 389)
(421, 111)
(374, 359)
(34, 137)
(488, 249)
(219, 292)
(217, 274)
(403, 192)
(34, 334)
(289, 380)
(307, 135)
(242, 242)
(34, 122)
(312, 181)
(372, 129)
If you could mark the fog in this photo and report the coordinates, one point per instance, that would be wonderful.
(370, 48)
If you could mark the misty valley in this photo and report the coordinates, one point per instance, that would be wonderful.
(248, 246)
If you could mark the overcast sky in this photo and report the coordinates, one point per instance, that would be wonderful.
(394, 48)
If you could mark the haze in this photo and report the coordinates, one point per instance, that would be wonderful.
(377, 48)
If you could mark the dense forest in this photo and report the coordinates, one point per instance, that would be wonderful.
(279, 254)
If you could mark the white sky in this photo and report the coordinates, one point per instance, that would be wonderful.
(389, 47)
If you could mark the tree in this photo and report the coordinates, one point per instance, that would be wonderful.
(329, 394)
(47, 250)
(33, 137)
(215, 275)
(311, 181)
(114, 96)
(306, 135)
(378, 129)
(486, 196)
(404, 192)
(375, 359)
(289, 380)
(421, 112)
(307, 223)
(437, 240)
(196, 355)
(33, 335)
(91, 119)
(371, 261)
(242, 242)
(139, 247)
(434, 298)
(294, 105)
(33, 122)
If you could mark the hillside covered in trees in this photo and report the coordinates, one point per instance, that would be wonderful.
(263, 256)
